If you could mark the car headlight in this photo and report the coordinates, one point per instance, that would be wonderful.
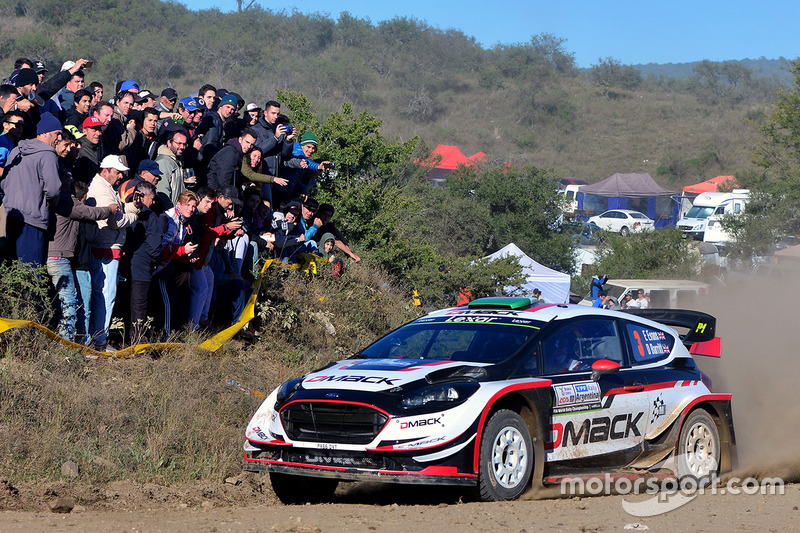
(446, 394)
(288, 388)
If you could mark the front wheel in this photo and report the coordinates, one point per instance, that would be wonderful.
(698, 447)
(506, 457)
(301, 489)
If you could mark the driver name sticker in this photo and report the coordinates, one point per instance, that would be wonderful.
(574, 397)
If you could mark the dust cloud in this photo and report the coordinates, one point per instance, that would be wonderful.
(757, 320)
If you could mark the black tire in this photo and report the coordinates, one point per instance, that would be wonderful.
(698, 447)
(506, 458)
(624, 231)
(293, 490)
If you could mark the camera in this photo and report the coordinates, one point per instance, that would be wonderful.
(289, 129)
(329, 166)
(138, 196)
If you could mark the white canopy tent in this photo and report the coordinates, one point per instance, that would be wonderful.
(553, 284)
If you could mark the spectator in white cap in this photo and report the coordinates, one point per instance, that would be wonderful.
(253, 114)
(107, 247)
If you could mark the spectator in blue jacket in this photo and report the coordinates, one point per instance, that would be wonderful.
(300, 170)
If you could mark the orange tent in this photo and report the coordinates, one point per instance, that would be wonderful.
(445, 159)
(711, 185)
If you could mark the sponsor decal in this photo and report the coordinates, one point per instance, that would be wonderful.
(373, 380)
(420, 443)
(594, 430)
(576, 397)
(260, 433)
(471, 319)
(659, 409)
(432, 421)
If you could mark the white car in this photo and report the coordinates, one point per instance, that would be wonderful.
(497, 396)
(623, 221)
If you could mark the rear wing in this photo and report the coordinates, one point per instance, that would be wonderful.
(700, 337)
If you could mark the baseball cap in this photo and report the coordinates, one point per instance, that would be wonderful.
(39, 67)
(170, 93)
(127, 85)
(189, 104)
(92, 122)
(143, 95)
(229, 191)
(113, 161)
(252, 107)
(311, 204)
(67, 65)
(293, 207)
(74, 131)
(148, 165)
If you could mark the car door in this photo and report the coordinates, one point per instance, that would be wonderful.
(593, 422)
(608, 221)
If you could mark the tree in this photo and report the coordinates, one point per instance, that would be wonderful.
(245, 3)
(609, 73)
(774, 209)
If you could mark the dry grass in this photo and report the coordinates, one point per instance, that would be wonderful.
(172, 418)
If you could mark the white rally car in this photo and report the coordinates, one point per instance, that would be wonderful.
(497, 395)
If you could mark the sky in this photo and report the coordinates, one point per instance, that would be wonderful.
(678, 31)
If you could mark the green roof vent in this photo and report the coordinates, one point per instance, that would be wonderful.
(501, 303)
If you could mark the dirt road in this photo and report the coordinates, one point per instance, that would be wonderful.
(365, 509)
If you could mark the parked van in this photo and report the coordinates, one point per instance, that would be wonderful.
(664, 293)
(702, 222)
(570, 193)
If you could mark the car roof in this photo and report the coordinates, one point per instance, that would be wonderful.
(548, 312)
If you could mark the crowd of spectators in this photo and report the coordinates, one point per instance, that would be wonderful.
(148, 206)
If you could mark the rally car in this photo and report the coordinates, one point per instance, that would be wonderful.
(497, 395)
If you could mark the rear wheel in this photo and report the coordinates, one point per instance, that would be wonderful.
(506, 458)
(624, 231)
(301, 489)
(698, 447)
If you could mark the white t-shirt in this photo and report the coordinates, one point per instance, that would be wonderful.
(644, 303)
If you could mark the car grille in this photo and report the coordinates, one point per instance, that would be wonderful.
(332, 422)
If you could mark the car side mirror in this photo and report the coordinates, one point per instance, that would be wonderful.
(601, 367)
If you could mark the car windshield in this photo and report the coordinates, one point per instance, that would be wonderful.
(698, 211)
(447, 339)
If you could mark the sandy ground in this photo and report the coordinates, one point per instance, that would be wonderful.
(760, 365)
(360, 513)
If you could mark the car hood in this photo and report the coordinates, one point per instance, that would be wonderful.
(376, 374)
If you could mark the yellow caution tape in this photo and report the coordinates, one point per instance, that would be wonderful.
(307, 264)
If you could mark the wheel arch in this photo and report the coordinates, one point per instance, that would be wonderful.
(719, 409)
(533, 405)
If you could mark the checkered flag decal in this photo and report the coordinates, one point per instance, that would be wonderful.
(659, 409)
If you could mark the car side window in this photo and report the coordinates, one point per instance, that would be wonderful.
(580, 343)
(648, 344)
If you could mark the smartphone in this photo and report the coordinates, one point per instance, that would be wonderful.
(88, 64)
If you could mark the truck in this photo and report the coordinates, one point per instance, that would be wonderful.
(702, 222)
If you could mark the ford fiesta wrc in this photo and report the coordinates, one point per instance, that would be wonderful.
(500, 395)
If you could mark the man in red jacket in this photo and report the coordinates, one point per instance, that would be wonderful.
(214, 222)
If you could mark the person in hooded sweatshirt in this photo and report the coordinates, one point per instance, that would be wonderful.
(31, 187)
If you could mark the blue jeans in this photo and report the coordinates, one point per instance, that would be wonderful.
(104, 293)
(82, 325)
(63, 278)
